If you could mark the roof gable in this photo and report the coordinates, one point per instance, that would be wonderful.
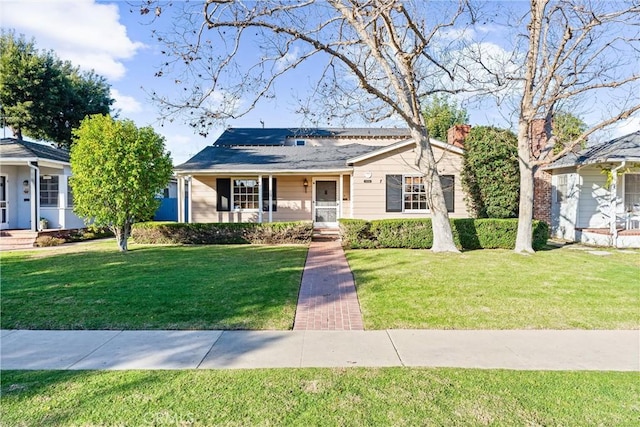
(11, 148)
(403, 144)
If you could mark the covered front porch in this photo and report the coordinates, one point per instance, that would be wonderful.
(322, 197)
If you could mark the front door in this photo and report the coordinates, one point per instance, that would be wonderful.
(4, 215)
(326, 203)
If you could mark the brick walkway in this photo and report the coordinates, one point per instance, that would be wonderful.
(327, 299)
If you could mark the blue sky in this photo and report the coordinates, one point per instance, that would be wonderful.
(109, 37)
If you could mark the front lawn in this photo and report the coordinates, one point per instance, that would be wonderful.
(151, 287)
(318, 397)
(497, 289)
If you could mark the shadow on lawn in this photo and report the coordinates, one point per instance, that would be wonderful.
(200, 287)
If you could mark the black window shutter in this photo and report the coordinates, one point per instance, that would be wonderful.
(448, 188)
(265, 195)
(394, 193)
(223, 187)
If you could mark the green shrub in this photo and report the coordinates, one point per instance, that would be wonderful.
(222, 233)
(356, 234)
(468, 233)
(403, 233)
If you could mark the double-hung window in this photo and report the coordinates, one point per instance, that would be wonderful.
(246, 194)
(414, 194)
(49, 190)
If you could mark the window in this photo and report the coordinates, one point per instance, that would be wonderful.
(245, 194)
(414, 194)
(300, 143)
(69, 196)
(48, 190)
(561, 188)
(407, 193)
(632, 192)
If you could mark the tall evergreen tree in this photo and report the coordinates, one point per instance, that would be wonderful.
(440, 113)
(43, 97)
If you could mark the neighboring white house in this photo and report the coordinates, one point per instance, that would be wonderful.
(34, 185)
(596, 194)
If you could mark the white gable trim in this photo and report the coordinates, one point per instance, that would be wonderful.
(403, 144)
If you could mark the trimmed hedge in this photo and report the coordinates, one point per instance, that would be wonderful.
(468, 233)
(221, 233)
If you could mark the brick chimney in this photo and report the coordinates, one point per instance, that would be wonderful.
(457, 134)
(541, 179)
(537, 136)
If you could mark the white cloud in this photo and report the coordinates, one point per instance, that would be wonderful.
(128, 104)
(86, 33)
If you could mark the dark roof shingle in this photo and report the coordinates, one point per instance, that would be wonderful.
(11, 148)
(275, 158)
(619, 149)
(277, 136)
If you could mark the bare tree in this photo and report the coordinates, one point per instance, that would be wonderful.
(382, 58)
(580, 52)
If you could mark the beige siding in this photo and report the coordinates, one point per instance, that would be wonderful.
(369, 197)
(292, 201)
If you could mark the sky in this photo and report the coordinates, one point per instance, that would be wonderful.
(110, 38)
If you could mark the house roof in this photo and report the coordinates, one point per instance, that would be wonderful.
(277, 136)
(273, 158)
(626, 147)
(11, 148)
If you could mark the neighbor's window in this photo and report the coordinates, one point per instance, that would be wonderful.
(561, 188)
(246, 194)
(632, 191)
(69, 196)
(48, 190)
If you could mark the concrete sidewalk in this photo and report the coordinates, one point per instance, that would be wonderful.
(521, 350)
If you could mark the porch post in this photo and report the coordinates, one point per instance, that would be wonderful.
(340, 195)
(62, 200)
(189, 210)
(351, 196)
(259, 198)
(270, 198)
(34, 179)
(181, 199)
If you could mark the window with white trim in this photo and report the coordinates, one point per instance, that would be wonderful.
(49, 190)
(246, 194)
(414, 194)
(632, 192)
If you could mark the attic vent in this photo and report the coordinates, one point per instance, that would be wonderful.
(300, 143)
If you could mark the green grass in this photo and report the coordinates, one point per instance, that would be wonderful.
(497, 289)
(94, 286)
(305, 397)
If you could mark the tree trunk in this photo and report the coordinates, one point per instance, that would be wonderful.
(122, 233)
(524, 242)
(441, 226)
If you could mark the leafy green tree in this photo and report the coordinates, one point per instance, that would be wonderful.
(44, 97)
(440, 113)
(567, 128)
(117, 171)
(490, 175)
